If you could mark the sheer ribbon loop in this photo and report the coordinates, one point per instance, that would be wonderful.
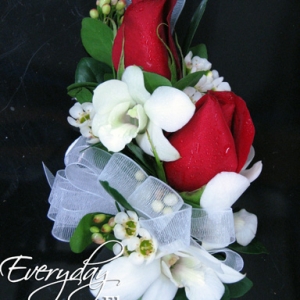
(213, 227)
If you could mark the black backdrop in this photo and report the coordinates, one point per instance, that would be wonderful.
(253, 44)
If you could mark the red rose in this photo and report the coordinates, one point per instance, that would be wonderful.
(142, 46)
(218, 138)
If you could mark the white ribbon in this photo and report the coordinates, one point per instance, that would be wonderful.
(76, 191)
(213, 227)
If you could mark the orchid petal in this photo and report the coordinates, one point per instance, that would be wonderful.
(223, 190)
(169, 108)
(109, 94)
(138, 112)
(115, 139)
(98, 121)
(134, 78)
(200, 282)
(249, 158)
(128, 284)
(252, 173)
(229, 275)
(224, 272)
(164, 149)
(161, 288)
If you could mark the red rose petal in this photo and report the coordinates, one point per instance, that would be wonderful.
(243, 130)
(142, 47)
(206, 147)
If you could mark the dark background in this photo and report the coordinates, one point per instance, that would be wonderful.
(253, 44)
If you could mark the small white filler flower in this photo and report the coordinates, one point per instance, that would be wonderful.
(245, 225)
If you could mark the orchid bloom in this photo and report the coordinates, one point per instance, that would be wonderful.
(194, 269)
(222, 191)
(126, 110)
(225, 188)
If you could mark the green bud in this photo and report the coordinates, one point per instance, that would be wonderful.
(97, 238)
(106, 9)
(106, 228)
(94, 229)
(103, 2)
(94, 13)
(114, 2)
(121, 5)
(99, 218)
(121, 11)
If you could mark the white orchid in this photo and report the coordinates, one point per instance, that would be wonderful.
(126, 110)
(81, 117)
(194, 269)
(245, 225)
(222, 191)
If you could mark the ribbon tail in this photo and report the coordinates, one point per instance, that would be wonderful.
(50, 177)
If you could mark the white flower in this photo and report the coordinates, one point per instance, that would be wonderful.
(127, 225)
(245, 225)
(81, 117)
(193, 269)
(194, 94)
(196, 63)
(125, 110)
(212, 81)
(143, 248)
(225, 188)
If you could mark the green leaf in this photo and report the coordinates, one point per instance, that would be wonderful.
(117, 196)
(255, 247)
(189, 80)
(141, 158)
(240, 288)
(226, 295)
(91, 70)
(82, 91)
(193, 26)
(153, 81)
(159, 165)
(97, 39)
(81, 237)
(121, 66)
(200, 50)
(180, 295)
(193, 198)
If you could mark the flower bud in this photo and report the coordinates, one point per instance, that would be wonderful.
(111, 222)
(103, 2)
(106, 228)
(106, 9)
(97, 238)
(94, 229)
(121, 5)
(113, 2)
(121, 12)
(94, 13)
(99, 218)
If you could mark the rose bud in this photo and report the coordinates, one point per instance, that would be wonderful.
(217, 138)
(138, 36)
